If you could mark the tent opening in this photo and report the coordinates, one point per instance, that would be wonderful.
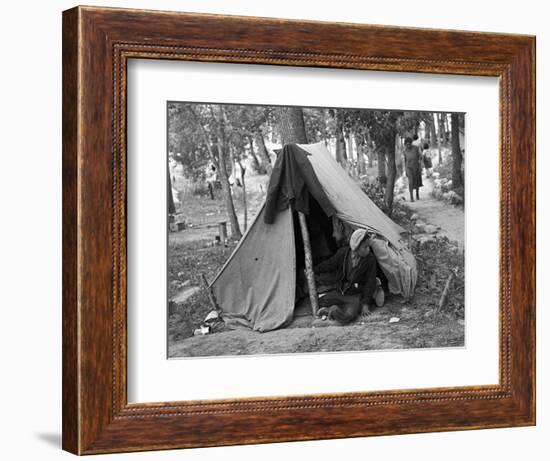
(323, 243)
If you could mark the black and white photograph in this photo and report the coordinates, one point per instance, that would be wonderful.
(313, 229)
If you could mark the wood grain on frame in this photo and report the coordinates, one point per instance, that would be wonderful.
(97, 43)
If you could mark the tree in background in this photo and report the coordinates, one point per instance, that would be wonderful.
(210, 121)
(291, 125)
(186, 142)
(382, 126)
(458, 181)
(320, 126)
(252, 122)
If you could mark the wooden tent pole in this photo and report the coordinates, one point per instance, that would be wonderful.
(309, 264)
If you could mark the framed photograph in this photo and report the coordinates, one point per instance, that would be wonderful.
(282, 230)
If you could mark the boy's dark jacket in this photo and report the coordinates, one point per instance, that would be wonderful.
(337, 270)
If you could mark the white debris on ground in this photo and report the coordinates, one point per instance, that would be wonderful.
(212, 315)
(184, 294)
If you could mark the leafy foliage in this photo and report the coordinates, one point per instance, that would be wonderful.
(436, 258)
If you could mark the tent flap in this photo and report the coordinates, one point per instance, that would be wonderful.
(256, 287)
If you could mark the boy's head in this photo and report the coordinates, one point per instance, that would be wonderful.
(359, 242)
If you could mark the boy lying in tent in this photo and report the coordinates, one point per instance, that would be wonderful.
(350, 281)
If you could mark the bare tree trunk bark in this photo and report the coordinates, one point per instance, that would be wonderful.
(458, 182)
(171, 204)
(446, 123)
(441, 125)
(369, 149)
(349, 144)
(223, 154)
(434, 139)
(392, 170)
(310, 276)
(227, 195)
(264, 154)
(245, 207)
(292, 128)
(341, 155)
(380, 153)
(361, 170)
(256, 165)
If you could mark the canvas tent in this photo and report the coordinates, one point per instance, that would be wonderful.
(256, 286)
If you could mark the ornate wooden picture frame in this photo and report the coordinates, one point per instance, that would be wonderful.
(97, 44)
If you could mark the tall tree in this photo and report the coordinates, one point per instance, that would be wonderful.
(251, 122)
(382, 126)
(341, 154)
(291, 124)
(392, 169)
(292, 130)
(262, 149)
(434, 138)
(458, 182)
(211, 122)
(381, 155)
(361, 149)
(441, 125)
(256, 164)
(171, 204)
(319, 124)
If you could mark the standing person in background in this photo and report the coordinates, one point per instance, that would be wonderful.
(211, 178)
(413, 167)
(427, 159)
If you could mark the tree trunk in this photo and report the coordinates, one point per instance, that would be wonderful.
(458, 182)
(361, 170)
(245, 207)
(292, 128)
(446, 123)
(341, 155)
(369, 149)
(171, 204)
(256, 165)
(392, 170)
(441, 125)
(380, 153)
(349, 143)
(223, 154)
(227, 195)
(262, 149)
(310, 276)
(434, 139)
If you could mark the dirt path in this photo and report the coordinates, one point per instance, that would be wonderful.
(448, 218)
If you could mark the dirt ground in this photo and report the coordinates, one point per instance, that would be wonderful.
(397, 325)
(416, 328)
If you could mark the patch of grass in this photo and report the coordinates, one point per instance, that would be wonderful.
(436, 258)
(187, 262)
